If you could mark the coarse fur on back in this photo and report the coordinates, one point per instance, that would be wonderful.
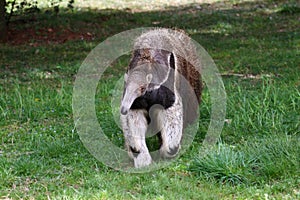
(164, 70)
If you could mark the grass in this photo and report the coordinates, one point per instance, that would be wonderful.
(255, 163)
(255, 45)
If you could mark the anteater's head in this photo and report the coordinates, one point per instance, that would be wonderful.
(148, 70)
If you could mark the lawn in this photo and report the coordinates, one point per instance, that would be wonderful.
(256, 47)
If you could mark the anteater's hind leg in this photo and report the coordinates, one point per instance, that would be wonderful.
(134, 126)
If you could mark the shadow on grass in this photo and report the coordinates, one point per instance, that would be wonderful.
(47, 41)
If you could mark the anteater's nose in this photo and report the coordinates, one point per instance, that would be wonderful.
(124, 111)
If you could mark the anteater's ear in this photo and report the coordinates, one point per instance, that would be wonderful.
(149, 78)
(171, 61)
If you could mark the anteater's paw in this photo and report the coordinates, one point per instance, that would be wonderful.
(142, 159)
(169, 151)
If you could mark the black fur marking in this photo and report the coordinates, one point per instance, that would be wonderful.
(160, 139)
(134, 151)
(162, 96)
(172, 61)
(173, 151)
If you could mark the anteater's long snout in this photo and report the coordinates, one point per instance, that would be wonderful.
(128, 100)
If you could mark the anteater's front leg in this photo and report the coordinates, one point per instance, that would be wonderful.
(134, 126)
(171, 130)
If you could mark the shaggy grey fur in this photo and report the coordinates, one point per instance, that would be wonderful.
(161, 75)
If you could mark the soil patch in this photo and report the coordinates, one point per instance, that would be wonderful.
(41, 36)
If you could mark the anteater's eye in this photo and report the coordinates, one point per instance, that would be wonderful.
(142, 89)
